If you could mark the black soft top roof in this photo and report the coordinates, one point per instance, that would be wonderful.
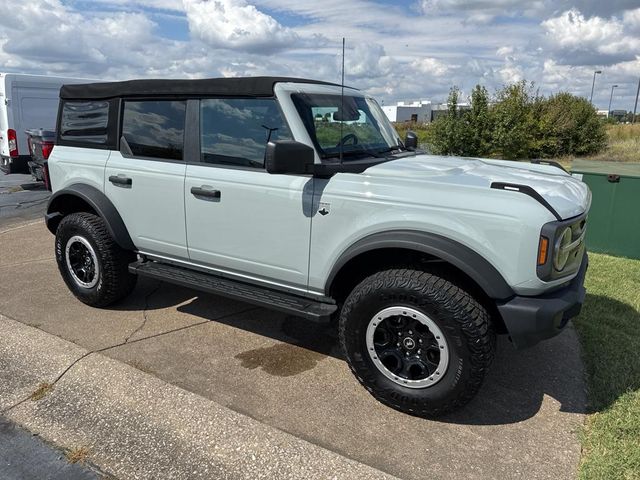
(235, 86)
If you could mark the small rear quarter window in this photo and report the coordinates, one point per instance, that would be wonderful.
(85, 122)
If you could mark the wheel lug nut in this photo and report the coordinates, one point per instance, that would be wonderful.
(398, 344)
(419, 351)
(410, 332)
(419, 340)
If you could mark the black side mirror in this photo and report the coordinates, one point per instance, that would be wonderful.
(411, 140)
(289, 157)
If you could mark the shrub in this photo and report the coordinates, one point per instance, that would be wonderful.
(517, 124)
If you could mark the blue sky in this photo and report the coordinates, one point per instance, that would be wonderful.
(396, 50)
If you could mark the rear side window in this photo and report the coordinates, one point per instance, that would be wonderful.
(155, 128)
(236, 131)
(85, 122)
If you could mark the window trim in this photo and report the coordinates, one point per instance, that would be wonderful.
(199, 160)
(120, 124)
(112, 141)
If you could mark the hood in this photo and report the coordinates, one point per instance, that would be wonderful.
(567, 195)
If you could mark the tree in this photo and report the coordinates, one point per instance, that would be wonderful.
(518, 124)
(447, 132)
(478, 123)
(512, 116)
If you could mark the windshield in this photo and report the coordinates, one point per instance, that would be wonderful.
(357, 125)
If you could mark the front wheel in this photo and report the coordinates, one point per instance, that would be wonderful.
(417, 341)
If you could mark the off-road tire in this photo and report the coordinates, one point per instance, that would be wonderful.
(114, 280)
(463, 320)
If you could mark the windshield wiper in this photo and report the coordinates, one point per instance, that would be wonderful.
(351, 153)
(390, 149)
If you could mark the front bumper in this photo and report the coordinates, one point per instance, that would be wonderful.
(532, 319)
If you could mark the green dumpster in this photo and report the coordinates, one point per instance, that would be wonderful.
(614, 221)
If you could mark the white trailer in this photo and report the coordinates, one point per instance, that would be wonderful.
(26, 102)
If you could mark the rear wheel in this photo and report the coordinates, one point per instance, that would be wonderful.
(417, 341)
(92, 265)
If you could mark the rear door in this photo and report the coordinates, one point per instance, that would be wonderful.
(242, 220)
(4, 120)
(145, 179)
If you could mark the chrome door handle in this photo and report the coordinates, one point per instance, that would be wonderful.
(205, 192)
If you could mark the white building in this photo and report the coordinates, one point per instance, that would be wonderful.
(419, 112)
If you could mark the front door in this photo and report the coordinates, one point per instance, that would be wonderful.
(240, 219)
(145, 179)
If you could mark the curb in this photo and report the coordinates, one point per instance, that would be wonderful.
(137, 426)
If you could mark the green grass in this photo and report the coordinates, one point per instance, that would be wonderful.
(609, 331)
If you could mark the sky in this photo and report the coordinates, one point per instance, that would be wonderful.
(395, 50)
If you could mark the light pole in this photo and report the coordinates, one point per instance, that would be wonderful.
(610, 99)
(593, 84)
(635, 106)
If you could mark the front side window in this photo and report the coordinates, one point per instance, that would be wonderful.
(85, 122)
(236, 131)
(155, 128)
(352, 125)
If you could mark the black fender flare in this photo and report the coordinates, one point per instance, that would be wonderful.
(460, 256)
(58, 207)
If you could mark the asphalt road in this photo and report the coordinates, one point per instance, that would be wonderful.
(290, 375)
(24, 456)
(21, 199)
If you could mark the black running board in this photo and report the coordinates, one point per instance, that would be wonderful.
(284, 302)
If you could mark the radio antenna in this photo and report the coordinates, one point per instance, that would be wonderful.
(342, 105)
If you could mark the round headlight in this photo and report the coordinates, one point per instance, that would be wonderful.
(561, 256)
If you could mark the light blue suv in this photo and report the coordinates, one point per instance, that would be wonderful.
(298, 195)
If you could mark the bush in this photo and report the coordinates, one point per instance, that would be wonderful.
(517, 124)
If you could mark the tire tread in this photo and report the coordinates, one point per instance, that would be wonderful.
(442, 289)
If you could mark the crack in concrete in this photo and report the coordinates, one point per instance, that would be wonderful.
(121, 344)
(144, 312)
(27, 262)
(28, 202)
(13, 229)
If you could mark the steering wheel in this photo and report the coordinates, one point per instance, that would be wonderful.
(349, 136)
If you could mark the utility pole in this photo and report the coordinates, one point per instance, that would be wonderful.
(611, 99)
(635, 107)
(593, 84)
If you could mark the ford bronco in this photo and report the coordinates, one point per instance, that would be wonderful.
(298, 195)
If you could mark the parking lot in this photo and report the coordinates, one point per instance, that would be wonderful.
(21, 199)
(290, 375)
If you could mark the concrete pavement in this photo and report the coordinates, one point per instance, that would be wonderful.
(289, 375)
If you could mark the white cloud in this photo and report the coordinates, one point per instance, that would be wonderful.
(631, 20)
(430, 66)
(367, 61)
(604, 40)
(392, 52)
(236, 24)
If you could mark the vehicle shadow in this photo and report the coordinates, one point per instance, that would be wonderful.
(611, 339)
(512, 392)
(38, 186)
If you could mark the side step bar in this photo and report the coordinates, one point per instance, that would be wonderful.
(272, 299)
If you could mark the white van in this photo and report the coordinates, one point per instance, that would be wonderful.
(26, 101)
